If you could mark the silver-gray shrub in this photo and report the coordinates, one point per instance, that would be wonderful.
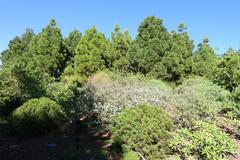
(121, 92)
(195, 99)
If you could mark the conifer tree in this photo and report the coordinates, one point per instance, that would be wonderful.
(90, 53)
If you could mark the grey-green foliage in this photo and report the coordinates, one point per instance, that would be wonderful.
(76, 101)
(123, 91)
(197, 99)
(205, 141)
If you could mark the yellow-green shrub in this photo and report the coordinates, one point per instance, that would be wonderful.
(37, 116)
(144, 129)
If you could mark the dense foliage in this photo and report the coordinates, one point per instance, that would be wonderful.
(112, 93)
(47, 78)
(198, 99)
(144, 129)
(205, 141)
(38, 116)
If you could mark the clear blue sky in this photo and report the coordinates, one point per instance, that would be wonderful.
(217, 19)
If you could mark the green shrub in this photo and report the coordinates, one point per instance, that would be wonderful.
(236, 95)
(205, 141)
(206, 87)
(37, 116)
(234, 109)
(144, 129)
(76, 101)
(198, 99)
(130, 156)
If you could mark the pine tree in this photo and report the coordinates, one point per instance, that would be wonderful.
(17, 46)
(48, 47)
(90, 53)
(228, 70)
(178, 61)
(71, 43)
(204, 60)
(150, 45)
(118, 47)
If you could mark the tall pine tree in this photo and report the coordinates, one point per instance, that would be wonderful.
(178, 61)
(118, 47)
(90, 53)
(150, 45)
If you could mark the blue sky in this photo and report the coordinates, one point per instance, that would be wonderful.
(217, 19)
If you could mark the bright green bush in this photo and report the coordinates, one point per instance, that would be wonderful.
(130, 156)
(206, 141)
(38, 116)
(144, 129)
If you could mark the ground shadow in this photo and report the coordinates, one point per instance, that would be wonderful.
(84, 143)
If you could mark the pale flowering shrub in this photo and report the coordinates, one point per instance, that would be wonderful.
(125, 91)
(195, 99)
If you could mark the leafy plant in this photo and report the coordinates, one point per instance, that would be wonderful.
(205, 141)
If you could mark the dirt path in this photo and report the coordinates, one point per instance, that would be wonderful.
(82, 146)
(41, 148)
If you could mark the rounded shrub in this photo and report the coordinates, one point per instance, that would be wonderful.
(206, 87)
(198, 99)
(143, 129)
(37, 116)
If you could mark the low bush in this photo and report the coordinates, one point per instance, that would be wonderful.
(37, 116)
(205, 141)
(144, 129)
(197, 99)
(206, 87)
